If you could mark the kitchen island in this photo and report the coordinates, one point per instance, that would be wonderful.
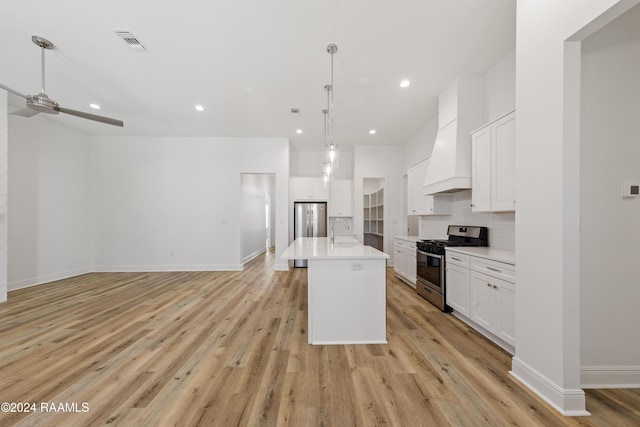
(347, 296)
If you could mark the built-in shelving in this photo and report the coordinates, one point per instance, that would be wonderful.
(373, 205)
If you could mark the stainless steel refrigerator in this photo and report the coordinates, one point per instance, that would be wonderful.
(309, 220)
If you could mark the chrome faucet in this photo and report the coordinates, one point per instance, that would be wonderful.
(332, 235)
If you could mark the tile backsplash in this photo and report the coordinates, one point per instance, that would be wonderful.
(501, 225)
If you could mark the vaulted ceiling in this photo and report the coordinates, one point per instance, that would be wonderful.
(248, 62)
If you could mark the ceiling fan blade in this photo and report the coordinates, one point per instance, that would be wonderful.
(94, 117)
(15, 92)
(25, 112)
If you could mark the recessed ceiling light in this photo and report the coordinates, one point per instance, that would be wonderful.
(372, 131)
(405, 83)
(94, 106)
(299, 131)
(199, 107)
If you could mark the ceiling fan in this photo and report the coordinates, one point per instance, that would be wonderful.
(41, 103)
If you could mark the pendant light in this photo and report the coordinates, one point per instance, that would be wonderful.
(326, 168)
(330, 162)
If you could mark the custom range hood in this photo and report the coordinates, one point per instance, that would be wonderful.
(459, 113)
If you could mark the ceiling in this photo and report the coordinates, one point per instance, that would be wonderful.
(248, 62)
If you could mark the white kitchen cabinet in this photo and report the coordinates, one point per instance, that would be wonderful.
(405, 263)
(458, 295)
(399, 260)
(481, 170)
(484, 305)
(412, 264)
(493, 305)
(417, 202)
(481, 292)
(503, 164)
(305, 188)
(493, 166)
(341, 198)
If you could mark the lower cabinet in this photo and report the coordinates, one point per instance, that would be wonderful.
(404, 261)
(458, 291)
(481, 292)
(493, 305)
(412, 264)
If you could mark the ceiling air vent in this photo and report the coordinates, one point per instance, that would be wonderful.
(130, 39)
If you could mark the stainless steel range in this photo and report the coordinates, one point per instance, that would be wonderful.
(430, 257)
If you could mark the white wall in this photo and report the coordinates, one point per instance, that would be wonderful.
(175, 203)
(4, 142)
(48, 204)
(609, 267)
(547, 355)
(380, 161)
(420, 145)
(499, 88)
(78, 204)
(309, 163)
(371, 185)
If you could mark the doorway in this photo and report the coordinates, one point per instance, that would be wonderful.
(258, 214)
(373, 215)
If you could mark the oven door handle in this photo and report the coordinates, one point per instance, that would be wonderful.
(428, 254)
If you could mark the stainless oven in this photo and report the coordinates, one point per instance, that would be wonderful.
(430, 254)
(430, 277)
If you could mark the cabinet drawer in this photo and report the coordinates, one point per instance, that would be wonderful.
(492, 268)
(457, 259)
(402, 243)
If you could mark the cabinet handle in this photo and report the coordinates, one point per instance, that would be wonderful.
(494, 269)
(472, 205)
(492, 286)
(456, 259)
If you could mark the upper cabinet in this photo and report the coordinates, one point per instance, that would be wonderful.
(493, 166)
(341, 198)
(305, 188)
(417, 202)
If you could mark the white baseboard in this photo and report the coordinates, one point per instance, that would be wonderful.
(253, 255)
(283, 266)
(610, 376)
(569, 402)
(39, 280)
(489, 335)
(161, 268)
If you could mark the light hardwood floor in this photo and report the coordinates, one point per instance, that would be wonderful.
(230, 348)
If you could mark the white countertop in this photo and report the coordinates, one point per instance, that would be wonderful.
(321, 248)
(412, 239)
(486, 252)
